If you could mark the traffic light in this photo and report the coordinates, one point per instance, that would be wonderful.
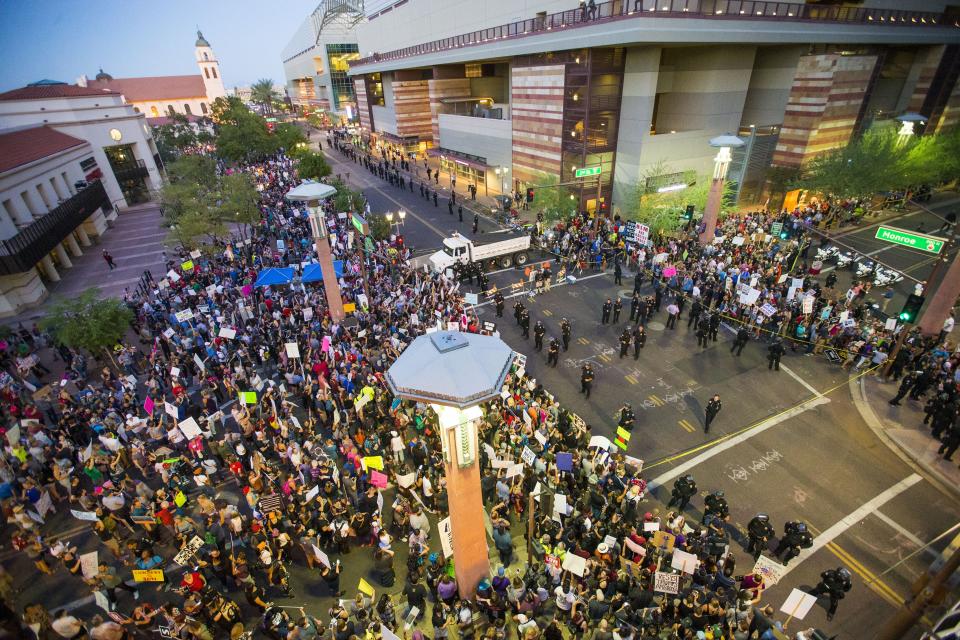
(529, 195)
(688, 215)
(911, 308)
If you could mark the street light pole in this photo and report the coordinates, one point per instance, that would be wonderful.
(711, 211)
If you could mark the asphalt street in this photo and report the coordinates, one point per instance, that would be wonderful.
(788, 443)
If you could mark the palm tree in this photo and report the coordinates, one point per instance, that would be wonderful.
(262, 93)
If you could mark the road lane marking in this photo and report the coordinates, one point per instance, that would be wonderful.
(657, 402)
(899, 528)
(547, 312)
(796, 377)
(631, 379)
(686, 426)
(855, 517)
(729, 441)
(876, 585)
(583, 341)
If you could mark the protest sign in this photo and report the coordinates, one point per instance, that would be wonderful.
(666, 582)
(574, 564)
(446, 537)
(148, 575)
(771, 571)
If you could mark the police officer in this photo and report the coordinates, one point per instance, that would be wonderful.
(835, 583)
(639, 339)
(517, 311)
(715, 505)
(743, 336)
(538, 331)
(460, 212)
(498, 299)
(905, 385)
(774, 353)
(586, 379)
(627, 418)
(695, 310)
(605, 311)
(795, 537)
(624, 342)
(617, 272)
(713, 408)
(683, 489)
(703, 328)
(714, 325)
(759, 530)
(553, 352)
(435, 200)
(617, 307)
(643, 309)
(634, 305)
(525, 324)
(476, 222)
(637, 281)
(450, 207)
(565, 333)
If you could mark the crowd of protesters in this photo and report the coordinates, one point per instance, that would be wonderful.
(242, 432)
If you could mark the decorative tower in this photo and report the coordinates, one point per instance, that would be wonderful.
(209, 69)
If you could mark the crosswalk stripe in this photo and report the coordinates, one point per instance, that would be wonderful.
(656, 401)
(604, 357)
(583, 341)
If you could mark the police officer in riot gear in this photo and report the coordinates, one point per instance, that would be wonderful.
(774, 353)
(626, 417)
(683, 489)
(553, 353)
(759, 530)
(715, 505)
(835, 583)
(795, 537)
(498, 299)
(538, 332)
(565, 333)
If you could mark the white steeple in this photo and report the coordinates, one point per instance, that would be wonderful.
(209, 69)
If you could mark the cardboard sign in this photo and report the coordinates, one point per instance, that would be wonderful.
(89, 516)
(187, 266)
(188, 550)
(798, 604)
(349, 307)
(321, 556)
(293, 349)
(470, 298)
(248, 397)
(528, 456)
(599, 442)
(148, 575)
(666, 582)
(575, 564)
(446, 537)
(373, 462)
(808, 304)
(565, 461)
(365, 587)
(771, 571)
(407, 480)
(89, 564)
(686, 562)
(378, 479)
(664, 540)
(171, 410)
(184, 316)
(190, 429)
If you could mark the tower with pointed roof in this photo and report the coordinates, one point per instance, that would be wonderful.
(209, 68)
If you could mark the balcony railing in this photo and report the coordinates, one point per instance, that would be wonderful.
(635, 9)
(21, 252)
(130, 170)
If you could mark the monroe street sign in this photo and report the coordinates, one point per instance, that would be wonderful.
(910, 239)
(586, 172)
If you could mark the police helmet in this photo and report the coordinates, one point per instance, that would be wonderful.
(801, 527)
(762, 517)
(718, 493)
(844, 573)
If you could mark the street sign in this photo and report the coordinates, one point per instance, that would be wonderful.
(359, 223)
(910, 239)
(586, 172)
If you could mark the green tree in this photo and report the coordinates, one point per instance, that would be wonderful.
(88, 322)
(174, 138)
(313, 166)
(556, 202)
(663, 211)
(289, 136)
(262, 93)
(874, 163)
(347, 199)
(241, 134)
(380, 229)
(239, 200)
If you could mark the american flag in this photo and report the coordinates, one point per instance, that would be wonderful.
(269, 504)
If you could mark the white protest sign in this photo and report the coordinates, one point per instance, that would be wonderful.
(90, 516)
(13, 435)
(312, 494)
(768, 309)
(446, 537)
(407, 480)
(171, 410)
(808, 304)
(528, 456)
(574, 564)
(173, 275)
(515, 470)
(890, 324)
(600, 442)
(168, 333)
(293, 349)
(227, 333)
(185, 315)
(44, 504)
(666, 582)
(771, 571)
(686, 562)
(174, 372)
(190, 429)
(101, 599)
(749, 295)
(321, 556)
(386, 634)
(470, 298)
(89, 564)
(798, 604)
(199, 362)
(188, 550)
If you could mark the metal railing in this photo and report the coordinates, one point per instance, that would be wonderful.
(21, 252)
(130, 170)
(634, 9)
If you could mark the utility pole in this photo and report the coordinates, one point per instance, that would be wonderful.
(924, 591)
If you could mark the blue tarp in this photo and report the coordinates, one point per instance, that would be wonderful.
(311, 273)
(274, 276)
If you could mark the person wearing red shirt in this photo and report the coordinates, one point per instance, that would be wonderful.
(193, 581)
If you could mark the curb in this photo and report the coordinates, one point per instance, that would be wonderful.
(858, 394)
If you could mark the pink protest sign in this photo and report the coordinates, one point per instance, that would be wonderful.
(148, 406)
(325, 345)
(247, 290)
(378, 479)
(669, 272)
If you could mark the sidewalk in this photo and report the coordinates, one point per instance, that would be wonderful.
(902, 429)
(940, 199)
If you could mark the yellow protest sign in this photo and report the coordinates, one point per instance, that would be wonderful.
(373, 462)
(180, 499)
(623, 433)
(148, 575)
(248, 397)
(350, 307)
(365, 587)
(187, 266)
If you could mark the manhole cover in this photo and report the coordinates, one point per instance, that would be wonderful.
(656, 326)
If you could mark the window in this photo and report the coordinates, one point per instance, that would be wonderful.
(203, 107)
(205, 56)
(206, 72)
(154, 113)
(186, 109)
(213, 70)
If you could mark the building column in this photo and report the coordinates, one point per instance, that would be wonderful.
(73, 246)
(47, 265)
(62, 256)
(942, 301)
(84, 238)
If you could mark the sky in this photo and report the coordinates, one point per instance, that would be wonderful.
(62, 39)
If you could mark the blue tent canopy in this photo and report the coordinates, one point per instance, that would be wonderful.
(311, 273)
(274, 276)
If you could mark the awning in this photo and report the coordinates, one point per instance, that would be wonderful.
(476, 164)
(274, 276)
(312, 272)
(310, 191)
(460, 100)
